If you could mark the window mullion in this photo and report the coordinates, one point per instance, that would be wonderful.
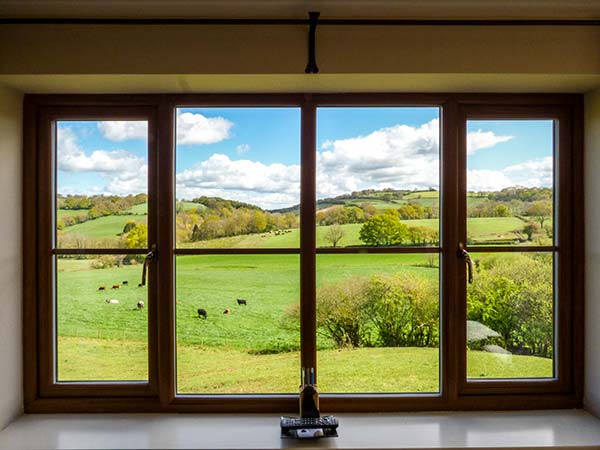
(165, 323)
(308, 328)
(451, 339)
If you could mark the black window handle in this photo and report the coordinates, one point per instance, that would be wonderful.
(149, 257)
(467, 259)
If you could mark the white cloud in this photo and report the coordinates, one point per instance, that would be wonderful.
(487, 180)
(198, 129)
(122, 130)
(401, 156)
(530, 173)
(242, 148)
(269, 186)
(476, 140)
(123, 172)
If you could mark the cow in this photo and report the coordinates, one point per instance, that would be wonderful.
(202, 313)
(125, 283)
(242, 301)
(140, 305)
(102, 288)
(227, 311)
(140, 285)
(112, 301)
(116, 286)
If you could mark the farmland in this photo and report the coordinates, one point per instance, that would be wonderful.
(255, 347)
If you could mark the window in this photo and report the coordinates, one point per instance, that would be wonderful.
(193, 253)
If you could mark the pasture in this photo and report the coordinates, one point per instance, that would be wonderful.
(253, 349)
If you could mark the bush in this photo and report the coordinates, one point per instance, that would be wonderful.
(107, 261)
(404, 310)
(512, 295)
(383, 311)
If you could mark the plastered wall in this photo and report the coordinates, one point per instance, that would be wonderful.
(592, 254)
(11, 397)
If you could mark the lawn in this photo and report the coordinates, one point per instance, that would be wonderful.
(255, 347)
(104, 227)
(211, 370)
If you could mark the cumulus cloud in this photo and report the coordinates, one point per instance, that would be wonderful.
(123, 171)
(530, 173)
(476, 140)
(194, 128)
(270, 186)
(401, 156)
(123, 130)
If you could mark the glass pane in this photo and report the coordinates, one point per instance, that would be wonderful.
(101, 183)
(238, 324)
(510, 316)
(378, 322)
(510, 182)
(238, 177)
(101, 319)
(378, 177)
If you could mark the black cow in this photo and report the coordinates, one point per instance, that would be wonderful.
(125, 283)
(202, 313)
(242, 301)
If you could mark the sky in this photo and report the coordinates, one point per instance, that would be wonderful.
(253, 154)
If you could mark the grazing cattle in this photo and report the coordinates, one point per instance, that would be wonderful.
(102, 288)
(202, 313)
(125, 283)
(140, 285)
(227, 311)
(112, 301)
(242, 301)
(140, 305)
(116, 286)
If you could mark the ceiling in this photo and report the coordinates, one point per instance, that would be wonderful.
(297, 9)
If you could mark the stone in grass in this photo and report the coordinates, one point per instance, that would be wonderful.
(496, 349)
(477, 331)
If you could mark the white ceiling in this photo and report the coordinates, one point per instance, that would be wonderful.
(297, 9)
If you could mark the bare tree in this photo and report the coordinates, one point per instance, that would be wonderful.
(335, 234)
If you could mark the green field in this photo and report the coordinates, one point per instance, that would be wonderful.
(253, 349)
(103, 227)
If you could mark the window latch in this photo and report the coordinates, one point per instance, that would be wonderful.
(464, 254)
(150, 256)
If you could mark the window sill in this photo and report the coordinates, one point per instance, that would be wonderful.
(566, 429)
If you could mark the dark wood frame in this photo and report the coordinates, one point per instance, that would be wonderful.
(42, 394)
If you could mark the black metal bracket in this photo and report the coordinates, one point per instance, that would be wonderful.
(311, 67)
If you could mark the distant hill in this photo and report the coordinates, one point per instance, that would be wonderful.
(380, 199)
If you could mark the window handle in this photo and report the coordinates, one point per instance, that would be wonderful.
(467, 259)
(150, 256)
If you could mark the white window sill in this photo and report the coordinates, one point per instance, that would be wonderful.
(566, 429)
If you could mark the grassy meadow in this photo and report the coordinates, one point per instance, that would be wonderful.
(254, 348)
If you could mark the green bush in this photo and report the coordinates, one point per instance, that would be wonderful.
(512, 294)
(383, 311)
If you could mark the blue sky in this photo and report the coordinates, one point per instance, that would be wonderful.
(253, 154)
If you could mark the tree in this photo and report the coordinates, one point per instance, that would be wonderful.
(137, 236)
(129, 225)
(334, 234)
(530, 229)
(540, 209)
(384, 229)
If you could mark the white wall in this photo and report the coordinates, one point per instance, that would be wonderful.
(11, 379)
(592, 253)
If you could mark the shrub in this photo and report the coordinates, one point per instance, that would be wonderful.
(512, 295)
(404, 310)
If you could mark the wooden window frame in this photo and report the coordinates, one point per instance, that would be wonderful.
(43, 395)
